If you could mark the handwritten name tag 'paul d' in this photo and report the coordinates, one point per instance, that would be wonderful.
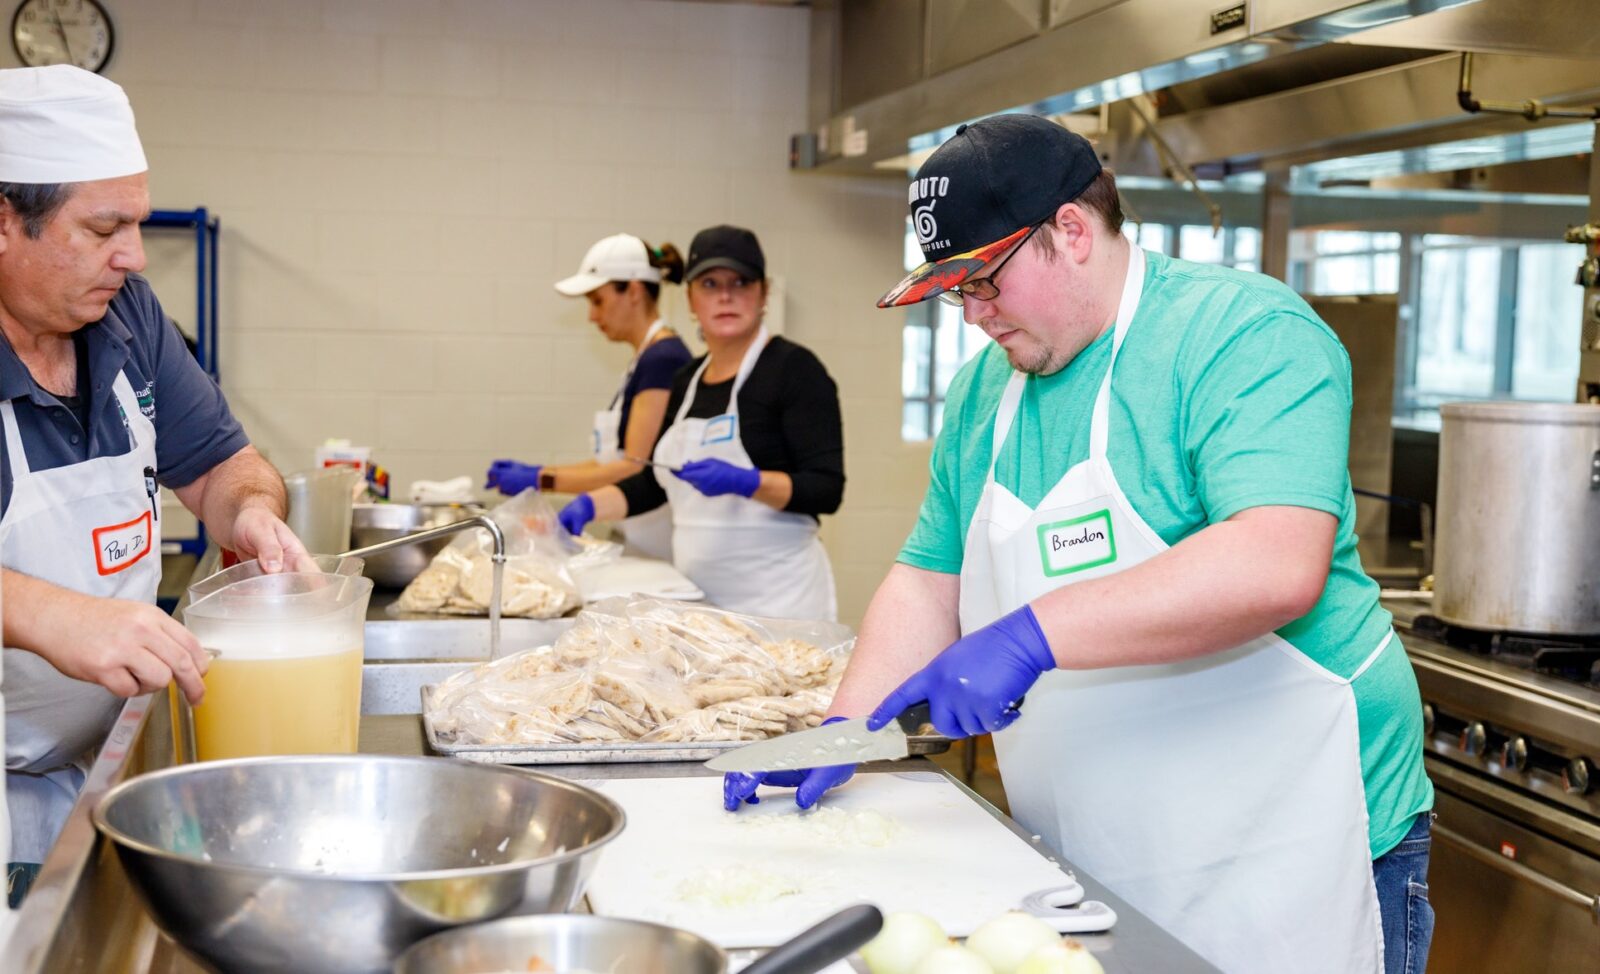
(1076, 544)
(118, 547)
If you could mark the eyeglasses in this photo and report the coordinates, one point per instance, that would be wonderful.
(984, 288)
(710, 286)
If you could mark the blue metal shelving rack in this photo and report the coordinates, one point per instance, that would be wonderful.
(206, 229)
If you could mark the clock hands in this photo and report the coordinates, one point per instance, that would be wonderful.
(62, 33)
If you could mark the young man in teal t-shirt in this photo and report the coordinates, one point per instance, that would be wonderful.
(1140, 519)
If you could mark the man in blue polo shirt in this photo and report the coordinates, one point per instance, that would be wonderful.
(101, 402)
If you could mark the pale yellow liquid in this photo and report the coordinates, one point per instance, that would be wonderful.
(299, 705)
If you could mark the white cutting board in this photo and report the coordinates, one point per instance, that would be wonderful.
(945, 857)
(628, 575)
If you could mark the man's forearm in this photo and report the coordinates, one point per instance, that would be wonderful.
(31, 606)
(912, 618)
(1223, 586)
(242, 480)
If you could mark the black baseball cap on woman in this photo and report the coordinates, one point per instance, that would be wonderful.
(983, 190)
(723, 246)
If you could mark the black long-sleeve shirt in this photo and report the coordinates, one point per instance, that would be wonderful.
(788, 422)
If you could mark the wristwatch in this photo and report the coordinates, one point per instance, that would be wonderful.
(547, 480)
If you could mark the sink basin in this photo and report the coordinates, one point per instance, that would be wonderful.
(455, 639)
(404, 654)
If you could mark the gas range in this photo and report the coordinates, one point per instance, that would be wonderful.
(1524, 710)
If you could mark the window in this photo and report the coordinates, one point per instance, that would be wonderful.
(1344, 262)
(1480, 318)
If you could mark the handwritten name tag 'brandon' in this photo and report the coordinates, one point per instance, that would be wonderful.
(120, 546)
(1075, 544)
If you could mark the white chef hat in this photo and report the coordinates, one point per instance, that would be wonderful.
(62, 124)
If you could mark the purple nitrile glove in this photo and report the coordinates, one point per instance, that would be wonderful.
(973, 686)
(512, 478)
(714, 478)
(578, 512)
(739, 788)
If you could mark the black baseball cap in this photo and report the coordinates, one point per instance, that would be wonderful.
(723, 246)
(983, 190)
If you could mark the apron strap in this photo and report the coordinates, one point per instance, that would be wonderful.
(653, 331)
(746, 366)
(18, 458)
(1132, 288)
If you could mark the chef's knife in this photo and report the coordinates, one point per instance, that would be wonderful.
(653, 463)
(843, 742)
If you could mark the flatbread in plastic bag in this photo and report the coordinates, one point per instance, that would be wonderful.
(537, 581)
(654, 670)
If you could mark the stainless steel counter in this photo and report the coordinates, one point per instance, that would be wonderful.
(82, 916)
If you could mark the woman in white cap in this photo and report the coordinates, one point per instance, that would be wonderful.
(753, 452)
(621, 278)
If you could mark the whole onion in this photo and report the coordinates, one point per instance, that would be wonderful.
(1007, 940)
(906, 938)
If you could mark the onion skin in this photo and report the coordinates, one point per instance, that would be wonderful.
(1067, 957)
(906, 938)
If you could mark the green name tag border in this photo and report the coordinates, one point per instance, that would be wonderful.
(1044, 548)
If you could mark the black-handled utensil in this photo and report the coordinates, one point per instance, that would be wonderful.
(831, 940)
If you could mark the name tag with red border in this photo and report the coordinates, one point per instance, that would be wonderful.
(118, 547)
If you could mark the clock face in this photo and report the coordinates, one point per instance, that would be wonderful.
(62, 32)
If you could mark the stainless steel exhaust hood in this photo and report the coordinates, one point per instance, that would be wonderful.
(1083, 53)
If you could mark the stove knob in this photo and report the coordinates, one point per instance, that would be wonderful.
(1474, 738)
(1576, 776)
(1427, 720)
(1514, 755)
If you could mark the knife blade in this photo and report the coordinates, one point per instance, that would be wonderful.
(842, 742)
(652, 463)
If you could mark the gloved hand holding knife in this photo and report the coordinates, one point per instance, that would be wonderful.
(974, 687)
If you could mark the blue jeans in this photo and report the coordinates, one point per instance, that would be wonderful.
(1401, 875)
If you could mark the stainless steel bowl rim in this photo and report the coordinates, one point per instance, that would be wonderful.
(467, 931)
(517, 865)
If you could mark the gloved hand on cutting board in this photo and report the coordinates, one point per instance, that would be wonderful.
(512, 478)
(714, 478)
(577, 514)
(973, 686)
(739, 788)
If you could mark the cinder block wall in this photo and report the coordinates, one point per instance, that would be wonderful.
(400, 182)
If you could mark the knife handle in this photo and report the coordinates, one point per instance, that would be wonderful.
(919, 715)
(914, 718)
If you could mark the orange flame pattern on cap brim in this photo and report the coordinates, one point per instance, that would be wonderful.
(934, 278)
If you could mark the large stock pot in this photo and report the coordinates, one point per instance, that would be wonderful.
(1518, 529)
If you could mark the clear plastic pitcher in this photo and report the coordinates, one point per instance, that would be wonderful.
(286, 673)
(319, 507)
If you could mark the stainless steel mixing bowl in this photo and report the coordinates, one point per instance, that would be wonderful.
(338, 863)
(570, 942)
(562, 944)
(372, 523)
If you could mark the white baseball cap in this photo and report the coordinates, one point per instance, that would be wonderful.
(623, 257)
(62, 124)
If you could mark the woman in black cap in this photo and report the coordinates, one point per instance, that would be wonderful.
(752, 454)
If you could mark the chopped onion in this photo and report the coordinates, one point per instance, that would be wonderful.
(953, 960)
(906, 938)
(1008, 939)
(1066, 957)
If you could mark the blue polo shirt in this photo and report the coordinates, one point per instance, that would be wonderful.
(195, 430)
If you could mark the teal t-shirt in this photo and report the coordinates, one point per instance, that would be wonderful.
(1229, 393)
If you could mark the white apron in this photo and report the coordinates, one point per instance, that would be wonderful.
(91, 527)
(744, 555)
(1220, 796)
(650, 534)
